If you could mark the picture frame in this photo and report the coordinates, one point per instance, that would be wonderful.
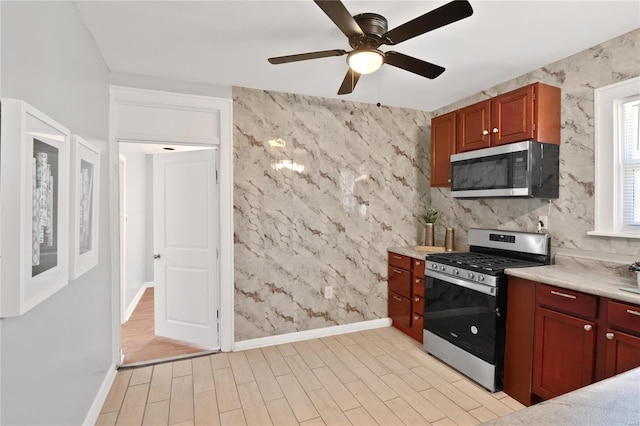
(84, 185)
(34, 207)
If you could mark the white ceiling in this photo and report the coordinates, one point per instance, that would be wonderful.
(227, 43)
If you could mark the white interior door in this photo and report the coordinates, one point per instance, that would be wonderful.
(185, 234)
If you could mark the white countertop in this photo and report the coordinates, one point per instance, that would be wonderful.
(614, 401)
(586, 281)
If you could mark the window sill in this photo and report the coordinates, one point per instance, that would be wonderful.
(613, 234)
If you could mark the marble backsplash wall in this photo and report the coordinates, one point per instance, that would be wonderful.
(571, 215)
(321, 189)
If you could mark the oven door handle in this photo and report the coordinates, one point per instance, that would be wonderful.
(486, 289)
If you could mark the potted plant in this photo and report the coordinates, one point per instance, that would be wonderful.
(635, 267)
(429, 218)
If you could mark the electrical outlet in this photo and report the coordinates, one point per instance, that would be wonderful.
(328, 292)
(543, 222)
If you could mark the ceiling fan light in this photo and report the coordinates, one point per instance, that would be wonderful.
(365, 61)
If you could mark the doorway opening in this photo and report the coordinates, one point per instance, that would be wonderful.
(169, 251)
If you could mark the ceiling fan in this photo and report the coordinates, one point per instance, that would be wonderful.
(368, 31)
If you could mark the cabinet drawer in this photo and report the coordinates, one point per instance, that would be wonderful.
(418, 287)
(399, 309)
(624, 316)
(569, 301)
(400, 281)
(418, 305)
(418, 268)
(417, 326)
(399, 261)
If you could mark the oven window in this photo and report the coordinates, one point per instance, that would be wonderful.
(482, 173)
(467, 318)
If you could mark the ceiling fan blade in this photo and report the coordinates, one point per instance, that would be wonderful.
(444, 15)
(338, 13)
(414, 65)
(349, 82)
(306, 56)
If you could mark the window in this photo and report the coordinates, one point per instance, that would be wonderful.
(629, 111)
(617, 160)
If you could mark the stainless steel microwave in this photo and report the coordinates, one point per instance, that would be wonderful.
(523, 169)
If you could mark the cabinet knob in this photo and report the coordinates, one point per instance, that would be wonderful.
(588, 327)
(495, 130)
(449, 180)
(485, 132)
(417, 300)
(610, 336)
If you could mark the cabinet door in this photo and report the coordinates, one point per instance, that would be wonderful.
(623, 352)
(417, 327)
(512, 116)
(400, 281)
(443, 144)
(399, 310)
(564, 353)
(474, 125)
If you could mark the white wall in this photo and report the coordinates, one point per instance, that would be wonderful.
(55, 357)
(154, 83)
(136, 226)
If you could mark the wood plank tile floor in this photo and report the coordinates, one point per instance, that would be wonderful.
(139, 341)
(370, 377)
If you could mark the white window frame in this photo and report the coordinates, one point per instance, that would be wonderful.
(608, 169)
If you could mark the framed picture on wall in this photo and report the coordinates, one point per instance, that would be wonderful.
(34, 197)
(85, 190)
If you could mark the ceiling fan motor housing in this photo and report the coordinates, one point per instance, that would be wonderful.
(373, 26)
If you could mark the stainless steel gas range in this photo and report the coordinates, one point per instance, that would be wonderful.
(466, 299)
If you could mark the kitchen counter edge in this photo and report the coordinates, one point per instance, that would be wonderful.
(586, 281)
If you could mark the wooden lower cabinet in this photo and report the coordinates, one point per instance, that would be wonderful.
(518, 353)
(564, 355)
(576, 339)
(406, 291)
(623, 352)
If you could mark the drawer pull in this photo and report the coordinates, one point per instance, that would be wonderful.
(568, 296)
(417, 299)
(416, 318)
(397, 257)
(397, 272)
(397, 298)
(418, 263)
(610, 336)
(632, 312)
(417, 281)
(588, 327)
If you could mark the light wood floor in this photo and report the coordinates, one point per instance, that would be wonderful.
(139, 341)
(366, 378)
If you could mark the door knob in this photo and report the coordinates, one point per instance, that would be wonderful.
(156, 256)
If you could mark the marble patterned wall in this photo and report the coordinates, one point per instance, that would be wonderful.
(571, 215)
(321, 189)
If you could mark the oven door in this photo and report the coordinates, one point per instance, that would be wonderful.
(463, 313)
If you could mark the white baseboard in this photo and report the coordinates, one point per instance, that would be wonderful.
(92, 416)
(311, 334)
(136, 300)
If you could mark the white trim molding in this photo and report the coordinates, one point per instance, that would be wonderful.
(92, 416)
(607, 208)
(298, 336)
(134, 303)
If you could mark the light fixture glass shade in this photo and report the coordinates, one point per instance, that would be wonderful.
(365, 61)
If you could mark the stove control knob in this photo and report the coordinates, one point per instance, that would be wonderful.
(442, 268)
(456, 271)
(470, 275)
(434, 266)
(480, 278)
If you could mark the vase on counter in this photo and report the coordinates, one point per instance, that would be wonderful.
(428, 234)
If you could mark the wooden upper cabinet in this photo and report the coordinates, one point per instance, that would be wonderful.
(474, 123)
(528, 113)
(443, 144)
